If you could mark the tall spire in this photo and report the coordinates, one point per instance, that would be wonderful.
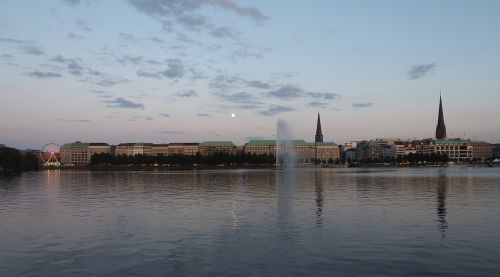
(440, 128)
(319, 134)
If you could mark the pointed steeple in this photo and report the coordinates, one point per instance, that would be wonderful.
(319, 133)
(440, 128)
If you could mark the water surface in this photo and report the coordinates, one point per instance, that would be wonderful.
(324, 222)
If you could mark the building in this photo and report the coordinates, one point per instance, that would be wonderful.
(211, 147)
(440, 128)
(424, 146)
(260, 147)
(496, 151)
(404, 148)
(80, 154)
(368, 151)
(326, 151)
(132, 149)
(159, 149)
(481, 151)
(458, 150)
(183, 148)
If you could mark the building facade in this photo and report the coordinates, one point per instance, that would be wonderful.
(80, 154)
(132, 149)
(211, 147)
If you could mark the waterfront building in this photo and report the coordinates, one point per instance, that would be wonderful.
(260, 147)
(368, 151)
(80, 154)
(132, 149)
(159, 149)
(326, 151)
(350, 154)
(458, 150)
(441, 127)
(481, 151)
(211, 147)
(496, 151)
(183, 148)
(404, 148)
(424, 146)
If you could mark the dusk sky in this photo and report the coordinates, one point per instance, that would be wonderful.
(175, 70)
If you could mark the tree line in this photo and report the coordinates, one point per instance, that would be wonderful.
(12, 161)
(417, 158)
(217, 158)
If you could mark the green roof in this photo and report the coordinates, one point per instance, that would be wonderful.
(261, 142)
(75, 145)
(326, 144)
(272, 142)
(218, 143)
(452, 141)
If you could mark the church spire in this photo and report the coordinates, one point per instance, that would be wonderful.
(440, 128)
(319, 134)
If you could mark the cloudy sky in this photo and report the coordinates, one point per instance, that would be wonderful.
(175, 70)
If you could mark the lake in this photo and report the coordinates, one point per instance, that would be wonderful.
(308, 222)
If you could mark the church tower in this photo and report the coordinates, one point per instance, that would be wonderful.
(319, 135)
(440, 128)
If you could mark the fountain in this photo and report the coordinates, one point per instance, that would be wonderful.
(285, 155)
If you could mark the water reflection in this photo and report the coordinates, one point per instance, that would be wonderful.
(318, 188)
(442, 183)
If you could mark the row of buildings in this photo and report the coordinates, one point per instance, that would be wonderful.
(79, 153)
(458, 150)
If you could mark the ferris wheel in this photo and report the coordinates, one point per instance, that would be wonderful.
(51, 154)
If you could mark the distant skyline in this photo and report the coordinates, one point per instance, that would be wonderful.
(176, 70)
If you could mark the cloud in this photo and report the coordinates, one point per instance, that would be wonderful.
(176, 8)
(83, 25)
(325, 95)
(33, 50)
(165, 114)
(363, 105)
(107, 81)
(251, 12)
(101, 93)
(248, 99)
(72, 3)
(285, 92)
(316, 104)
(175, 69)
(188, 93)
(74, 36)
(43, 75)
(157, 40)
(203, 115)
(418, 71)
(225, 32)
(258, 84)
(193, 21)
(72, 65)
(146, 74)
(121, 102)
(15, 41)
(128, 59)
(274, 110)
(226, 82)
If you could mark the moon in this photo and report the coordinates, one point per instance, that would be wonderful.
(233, 115)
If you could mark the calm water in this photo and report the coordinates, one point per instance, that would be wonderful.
(321, 222)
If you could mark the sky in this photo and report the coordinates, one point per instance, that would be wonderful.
(176, 70)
